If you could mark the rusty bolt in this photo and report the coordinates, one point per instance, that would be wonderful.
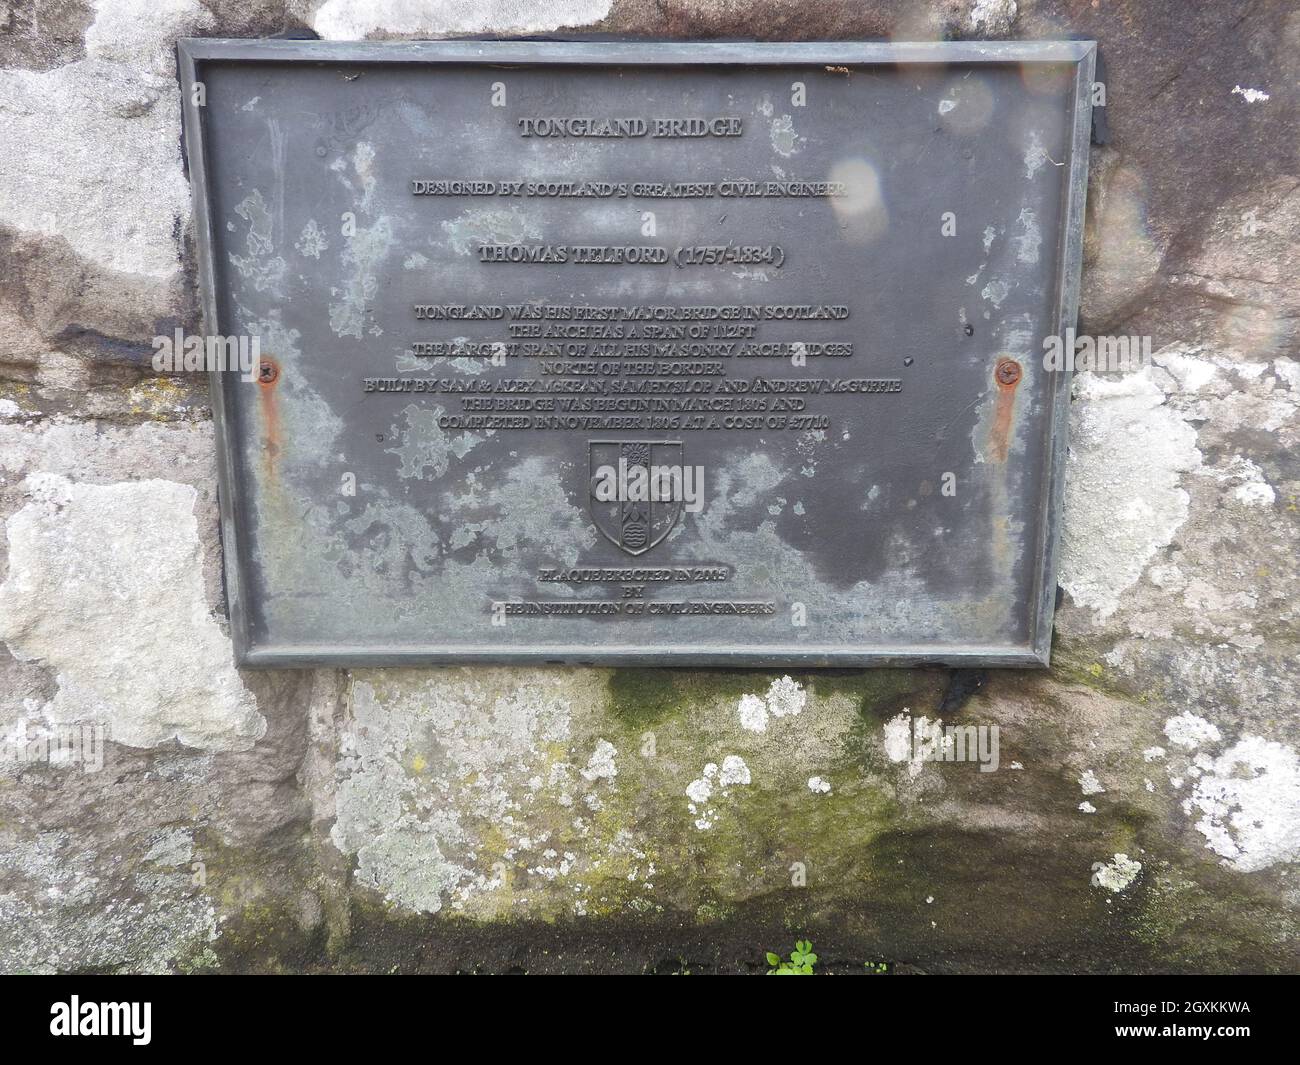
(266, 372)
(1008, 372)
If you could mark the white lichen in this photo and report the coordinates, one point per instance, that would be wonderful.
(734, 771)
(1117, 874)
(1089, 783)
(786, 697)
(1249, 801)
(898, 737)
(601, 765)
(1189, 731)
(700, 790)
(992, 17)
(753, 713)
(353, 20)
(1251, 96)
(103, 578)
(714, 781)
(1119, 514)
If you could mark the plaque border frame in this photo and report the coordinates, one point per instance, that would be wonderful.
(192, 53)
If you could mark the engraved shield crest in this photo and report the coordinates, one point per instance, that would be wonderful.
(633, 524)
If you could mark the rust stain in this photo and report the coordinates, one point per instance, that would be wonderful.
(1007, 374)
(268, 373)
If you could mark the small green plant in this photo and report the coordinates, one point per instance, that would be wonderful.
(876, 968)
(801, 962)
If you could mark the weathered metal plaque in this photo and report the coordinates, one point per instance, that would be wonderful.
(639, 353)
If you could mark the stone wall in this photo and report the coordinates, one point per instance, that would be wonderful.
(1145, 814)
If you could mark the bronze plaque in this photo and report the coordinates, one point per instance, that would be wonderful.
(639, 353)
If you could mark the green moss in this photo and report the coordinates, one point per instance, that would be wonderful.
(200, 959)
(1205, 918)
(1123, 824)
(869, 687)
(648, 696)
(939, 881)
(761, 836)
(712, 911)
(937, 897)
(641, 698)
(762, 829)
(264, 935)
(257, 892)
